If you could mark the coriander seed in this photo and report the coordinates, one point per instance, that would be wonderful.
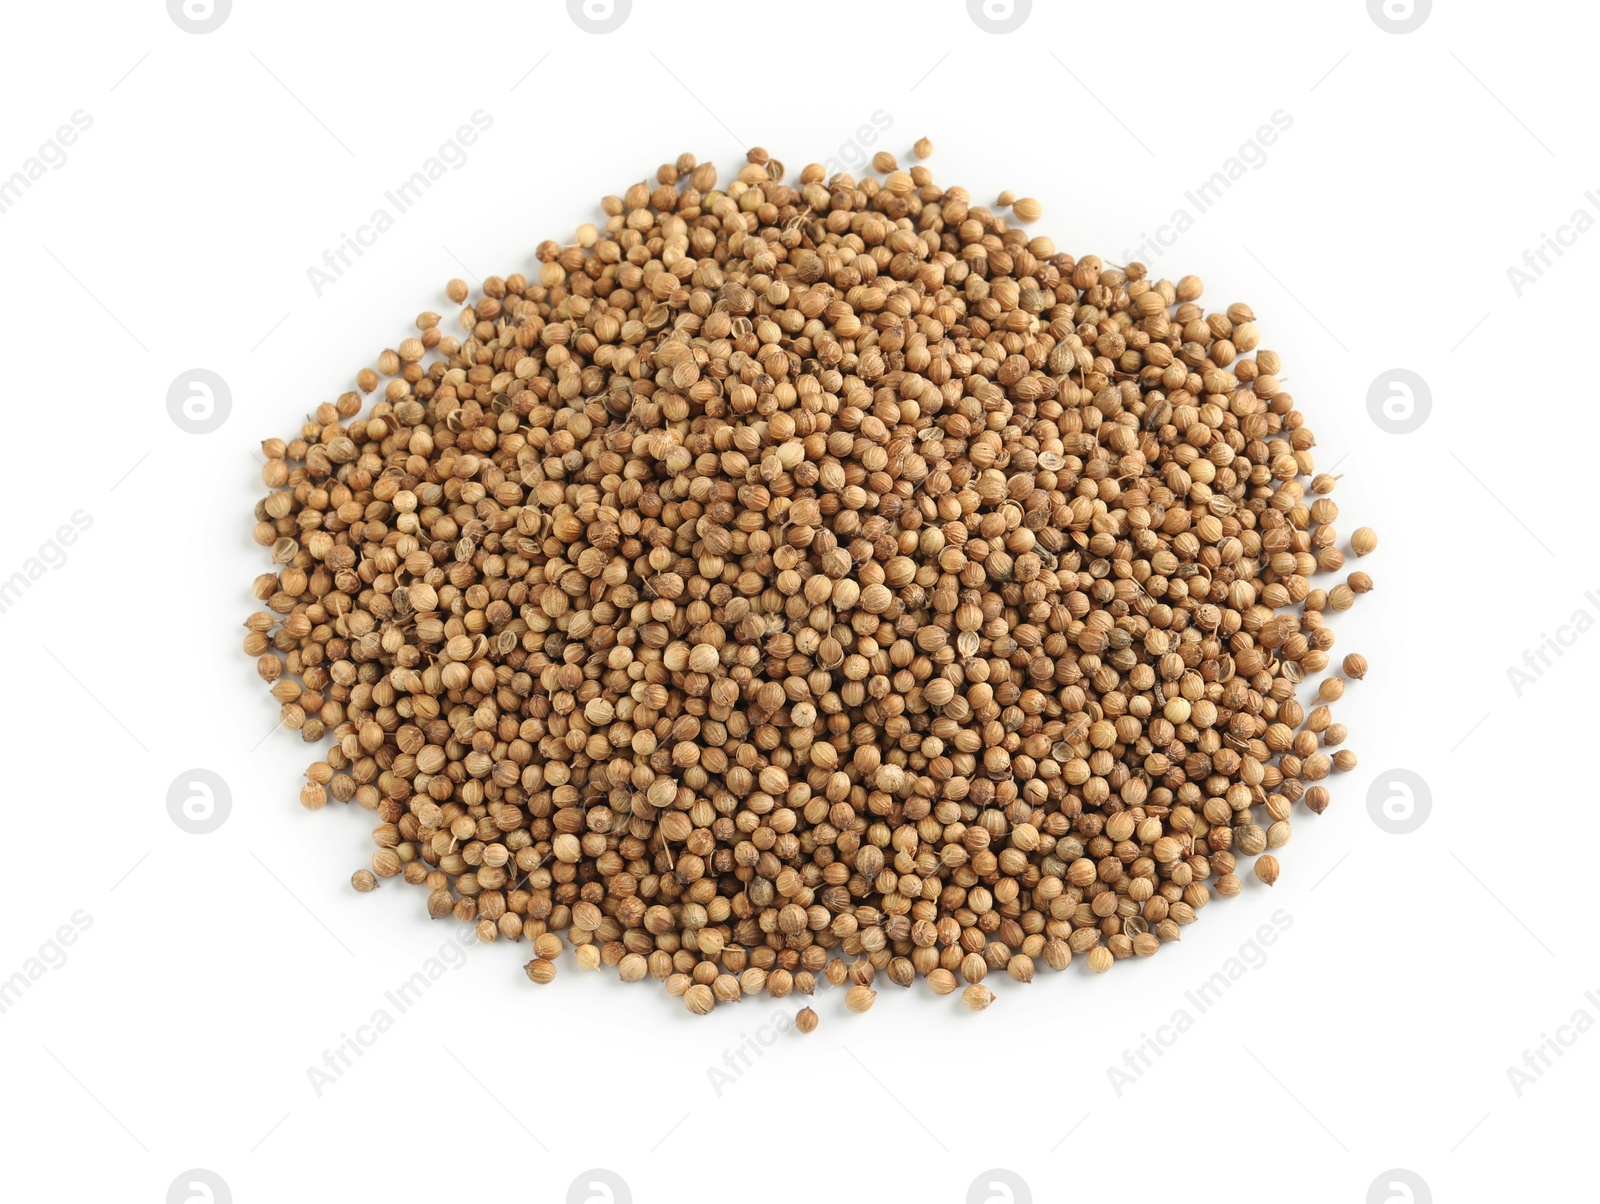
(811, 578)
(699, 999)
(977, 997)
(860, 998)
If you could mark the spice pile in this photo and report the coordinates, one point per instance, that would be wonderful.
(816, 581)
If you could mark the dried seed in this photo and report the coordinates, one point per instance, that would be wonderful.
(807, 581)
(699, 999)
(977, 997)
(1267, 868)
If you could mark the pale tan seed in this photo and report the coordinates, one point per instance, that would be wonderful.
(977, 997)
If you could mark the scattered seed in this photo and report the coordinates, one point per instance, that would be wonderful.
(977, 997)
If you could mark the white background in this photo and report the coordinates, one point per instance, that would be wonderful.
(219, 968)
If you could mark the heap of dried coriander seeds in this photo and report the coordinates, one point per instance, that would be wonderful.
(812, 583)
